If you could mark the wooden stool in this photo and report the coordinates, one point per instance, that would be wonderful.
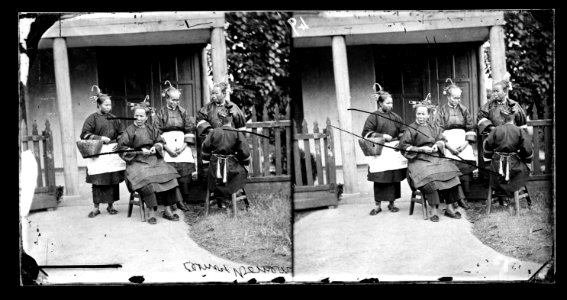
(517, 198)
(234, 201)
(418, 197)
(135, 199)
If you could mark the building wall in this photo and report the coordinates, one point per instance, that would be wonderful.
(318, 90)
(42, 104)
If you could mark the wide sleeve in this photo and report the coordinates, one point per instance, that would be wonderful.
(189, 128)
(521, 118)
(243, 149)
(482, 113)
(118, 129)
(525, 147)
(87, 133)
(238, 117)
(370, 127)
(124, 144)
(440, 139)
(469, 125)
(158, 121)
(206, 148)
(406, 144)
(440, 119)
(202, 115)
(489, 145)
(400, 125)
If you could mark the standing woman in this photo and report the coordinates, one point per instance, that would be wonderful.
(105, 173)
(146, 171)
(177, 129)
(423, 145)
(489, 115)
(385, 170)
(208, 119)
(456, 122)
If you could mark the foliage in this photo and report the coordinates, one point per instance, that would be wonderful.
(530, 57)
(258, 50)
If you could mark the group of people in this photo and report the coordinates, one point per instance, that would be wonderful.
(160, 156)
(437, 147)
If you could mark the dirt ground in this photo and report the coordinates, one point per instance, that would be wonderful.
(528, 238)
(259, 236)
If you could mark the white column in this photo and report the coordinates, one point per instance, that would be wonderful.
(205, 77)
(65, 110)
(342, 88)
(497, 53)
(218, 54)
(481, 83)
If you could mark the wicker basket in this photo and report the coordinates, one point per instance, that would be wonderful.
(89, 147)
(371, 149)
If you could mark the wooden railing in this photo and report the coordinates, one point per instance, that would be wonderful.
(270, 157)
(542, 131)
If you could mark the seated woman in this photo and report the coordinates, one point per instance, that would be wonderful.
(227, 151)
(423, 145)
(510, 149)
(146, 171)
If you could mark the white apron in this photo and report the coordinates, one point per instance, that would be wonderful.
(455, 138)
(105, 163)
(175, 140)
(389, 159)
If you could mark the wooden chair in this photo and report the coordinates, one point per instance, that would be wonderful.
(234, 202)
(136, 199)
(517, 198)
(418, 197)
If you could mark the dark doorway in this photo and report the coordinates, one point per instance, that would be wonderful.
(128, 74)
(410, 72)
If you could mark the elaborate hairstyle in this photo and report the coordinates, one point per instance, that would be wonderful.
(168, 91)
(99, 97)
(380, 95)
(424, 103)
(145, 105)
(223, 85)
(447, 89)
(505, 83)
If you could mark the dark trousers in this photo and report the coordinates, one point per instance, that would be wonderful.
(389, 191)
(169, 197)
(450, 196)
(105, 193)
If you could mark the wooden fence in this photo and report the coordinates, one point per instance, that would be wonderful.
(314, 188)
(270, 157)
(46, 193)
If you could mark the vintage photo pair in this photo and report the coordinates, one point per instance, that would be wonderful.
(259, 147)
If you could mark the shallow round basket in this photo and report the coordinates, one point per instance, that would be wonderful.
(369, 148)
(89, 147)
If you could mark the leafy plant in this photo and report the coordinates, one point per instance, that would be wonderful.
(530, 51)
(258, 50)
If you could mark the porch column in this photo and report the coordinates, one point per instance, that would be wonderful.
(65, 110)
(218, 54)
(205, 77)
(497, 53)
(342, 88)
(481, 83)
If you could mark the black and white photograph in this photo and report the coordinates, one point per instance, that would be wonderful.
(287, 147)
(156, 145)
